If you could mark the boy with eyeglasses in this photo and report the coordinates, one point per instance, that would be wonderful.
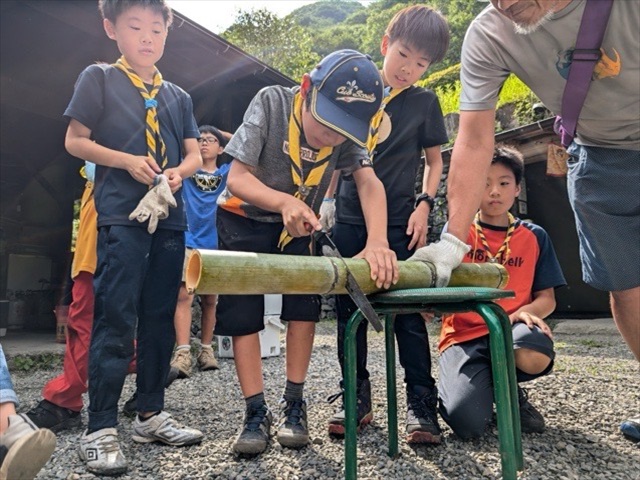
(200, 193)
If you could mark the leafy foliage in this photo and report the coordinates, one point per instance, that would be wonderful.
(325, 13)
(294, 44)
(280, 43)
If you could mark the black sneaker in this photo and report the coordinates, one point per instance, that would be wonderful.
(130, 408)
(292, 424)
(531, 420)
(365, 411)
(256, 430)
(422, 417)
(55, 418)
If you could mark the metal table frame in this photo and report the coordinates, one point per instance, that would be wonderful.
(440, 300)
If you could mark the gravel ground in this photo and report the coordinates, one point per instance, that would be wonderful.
(595, 385)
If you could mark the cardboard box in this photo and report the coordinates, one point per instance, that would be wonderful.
(269, 337)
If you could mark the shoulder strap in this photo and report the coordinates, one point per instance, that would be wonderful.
(584, 59)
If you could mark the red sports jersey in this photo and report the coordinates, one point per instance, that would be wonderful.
(532, 265)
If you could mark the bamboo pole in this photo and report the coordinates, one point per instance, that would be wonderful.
(232, 273)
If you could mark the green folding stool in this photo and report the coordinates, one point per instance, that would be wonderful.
(440, 300)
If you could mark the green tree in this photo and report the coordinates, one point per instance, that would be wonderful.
(280, 43)
(325, 13)
(341, 36)
(459, 14)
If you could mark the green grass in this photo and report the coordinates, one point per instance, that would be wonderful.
(587, 342)
(38, 361)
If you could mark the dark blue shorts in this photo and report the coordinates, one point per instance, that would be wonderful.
(238, 315)
(604, 191)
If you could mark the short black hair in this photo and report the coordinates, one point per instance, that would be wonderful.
(215, 132)
(422, 28)
(510, 157)
(112, 9)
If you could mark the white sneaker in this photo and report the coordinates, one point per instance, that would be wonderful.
(101, 452)
(163, 428)
(28, 448)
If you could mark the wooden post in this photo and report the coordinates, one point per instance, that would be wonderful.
(220, 272)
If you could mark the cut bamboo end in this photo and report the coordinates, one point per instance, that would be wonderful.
(193, 272)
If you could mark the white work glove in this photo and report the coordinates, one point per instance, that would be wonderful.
(445, 255)
(328, 213)
(154, 206)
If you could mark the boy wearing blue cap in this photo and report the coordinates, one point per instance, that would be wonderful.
(285, 151)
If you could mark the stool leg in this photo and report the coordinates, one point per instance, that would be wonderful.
(350, 395)
(501, 386)
(392, 397)
(513, 383)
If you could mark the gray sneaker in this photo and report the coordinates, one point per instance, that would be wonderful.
(162, 428)
(24, 448)
(292, 424)
(256, 430)
(101, 452)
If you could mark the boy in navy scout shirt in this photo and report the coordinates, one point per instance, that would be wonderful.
(466, 387)
(139, 130)
(412, 126)
(285, 151)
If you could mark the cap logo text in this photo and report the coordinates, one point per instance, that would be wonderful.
(351, 93)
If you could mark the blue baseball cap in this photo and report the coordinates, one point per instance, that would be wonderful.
(347, 92)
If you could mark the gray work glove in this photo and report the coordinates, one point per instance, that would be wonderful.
(445, 255)
(328, 213)
(154, 206)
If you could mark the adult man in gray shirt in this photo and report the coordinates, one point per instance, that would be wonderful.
(534, 39)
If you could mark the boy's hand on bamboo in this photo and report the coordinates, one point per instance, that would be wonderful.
(143, 168)
(382, 261)
(298, 218)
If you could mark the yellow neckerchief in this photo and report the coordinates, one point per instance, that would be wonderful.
(374, 126)
(156, 148)
(297, 173)
(504, 250)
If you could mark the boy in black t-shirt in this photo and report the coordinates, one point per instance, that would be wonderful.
(412, 125)
(139, 130)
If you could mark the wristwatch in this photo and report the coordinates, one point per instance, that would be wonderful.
(424, 197)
